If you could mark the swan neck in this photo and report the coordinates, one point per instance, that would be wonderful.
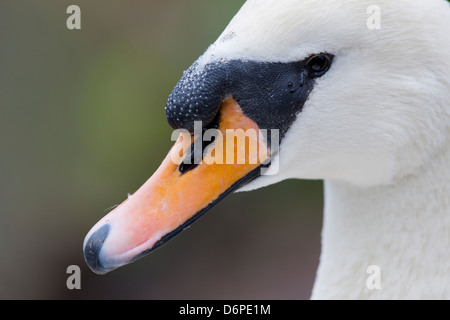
(388, 241)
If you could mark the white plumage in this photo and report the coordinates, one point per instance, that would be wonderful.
(376, 128)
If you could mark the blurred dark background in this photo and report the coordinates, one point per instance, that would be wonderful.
(82, 124)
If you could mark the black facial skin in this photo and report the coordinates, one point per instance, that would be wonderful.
(271, 94)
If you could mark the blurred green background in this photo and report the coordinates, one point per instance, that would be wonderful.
(82, 124)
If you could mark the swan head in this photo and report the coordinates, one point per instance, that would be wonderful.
(350, 101)
(381, 110)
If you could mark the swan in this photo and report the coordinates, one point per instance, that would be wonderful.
(366, 109)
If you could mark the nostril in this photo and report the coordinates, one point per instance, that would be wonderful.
(93, 248)
(188, 163)
(191, 161)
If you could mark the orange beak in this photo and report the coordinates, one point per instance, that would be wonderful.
(171, 199)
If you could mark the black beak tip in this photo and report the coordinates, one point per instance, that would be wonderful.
(93, 248)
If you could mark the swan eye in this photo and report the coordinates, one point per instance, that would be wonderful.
(319, 64)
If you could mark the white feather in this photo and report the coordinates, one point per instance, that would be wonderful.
(376, 127)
